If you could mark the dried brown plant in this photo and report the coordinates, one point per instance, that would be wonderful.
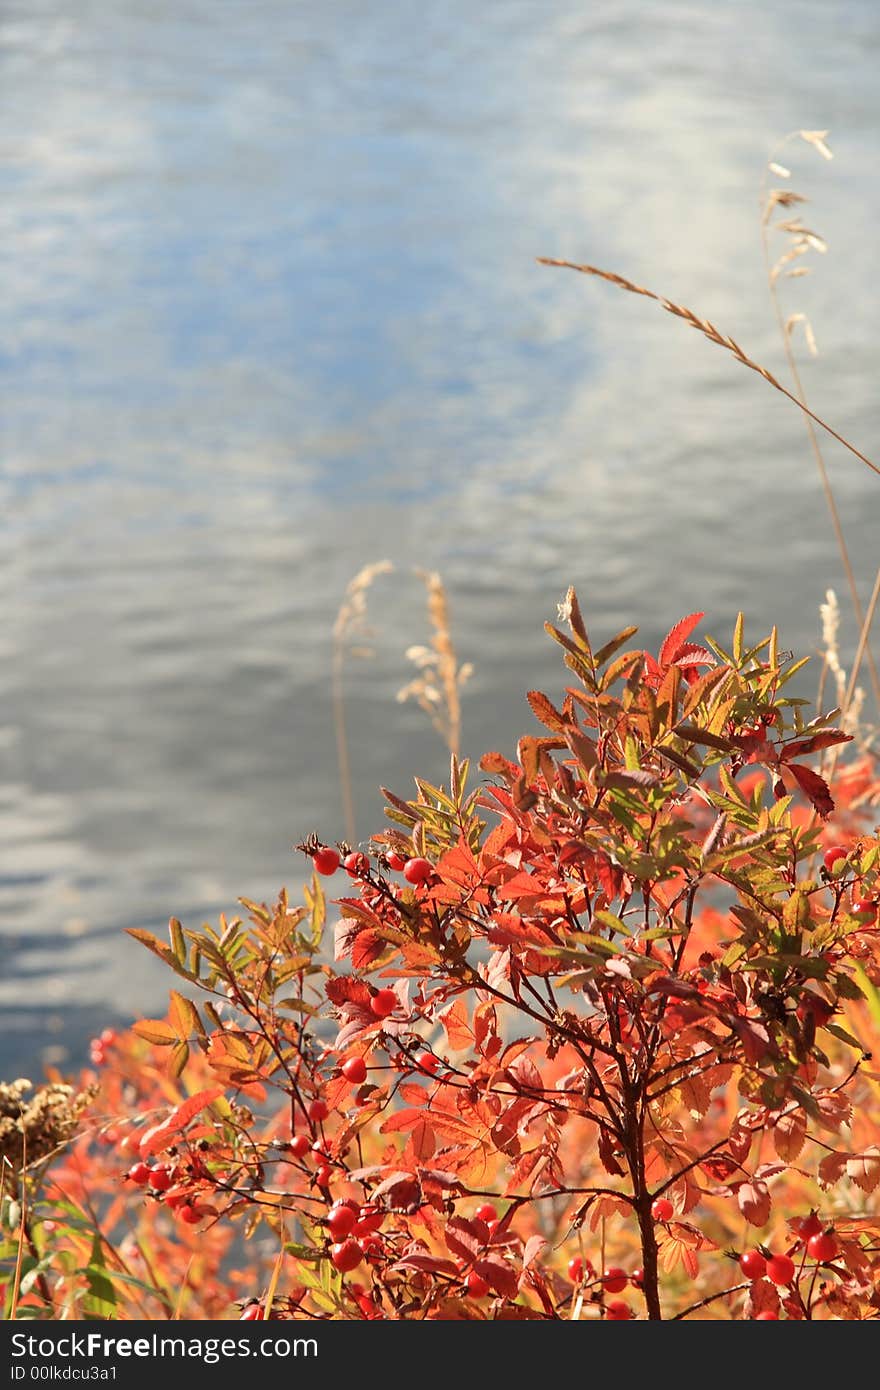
(715, 336)
(436, 688)
(352, 634)
(437, 685)
(801, 240)
(34, 1126)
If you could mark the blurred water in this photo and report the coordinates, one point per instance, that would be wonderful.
(270, 310)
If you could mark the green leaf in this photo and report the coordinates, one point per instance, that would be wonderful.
(608, 919)
(118, 1277)
(100, 1300)
(693, 734)
(303, 1252)
(843, 1035)
(178, 943)
(316, 904)
(871, 993)
(297, 1006)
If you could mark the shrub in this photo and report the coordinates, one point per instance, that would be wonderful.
(612, 1037)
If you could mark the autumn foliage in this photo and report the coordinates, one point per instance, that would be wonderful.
(595, 1041)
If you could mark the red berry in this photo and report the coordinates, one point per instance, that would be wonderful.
(476, 1285)
(809, 1226)
(355, 1070)
(426, 1061)
(617, 1311)
(318, 1111)
(341, 1220)
(780, 1269)
(418, 870)
(369, 1309)
(863, 908)
(767, 1316)
(576, 1269)
(614, 1279)
(637, 1278)
(356, 865)
(189, 1215)
(160, 1178)
(753, 1264)
(300, 1145)
(835, 859)
(395, 861)
(383, 1002)
(822, 1247)
(326, 860)
(108, 1037)
(139, 1173)
(372, 1246)
(486, 1212)
(346, 1255)
(252, 1313)
(323, 1175)
(662, 1209)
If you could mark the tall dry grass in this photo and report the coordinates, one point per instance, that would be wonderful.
(802, 241)
(714, 335)
(435, 687)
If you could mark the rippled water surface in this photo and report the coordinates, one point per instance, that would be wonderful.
(271, 310)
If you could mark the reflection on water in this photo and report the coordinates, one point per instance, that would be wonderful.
(271, 310)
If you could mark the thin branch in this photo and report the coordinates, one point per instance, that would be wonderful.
(711, 1298)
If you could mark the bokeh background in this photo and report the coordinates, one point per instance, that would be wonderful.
(270, 310)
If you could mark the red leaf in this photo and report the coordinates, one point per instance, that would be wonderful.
(499, 1275)
(753, 1199)
(677, 636)
(345, 933)
(426, 1264)
(463, 1238)
(546, 711)
(692, 655)
(367, 946)
(344, 989)
(826, 738)
(812, 785)
(161, 1135)
(534, 1246)
(459, 1033)
(762, 1297)
(402, 1191)
(754, 1038)
(864, 1168)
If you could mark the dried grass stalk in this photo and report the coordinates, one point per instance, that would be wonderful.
(801, 241)
(351, 636)
(437, 686)
(714, 335)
